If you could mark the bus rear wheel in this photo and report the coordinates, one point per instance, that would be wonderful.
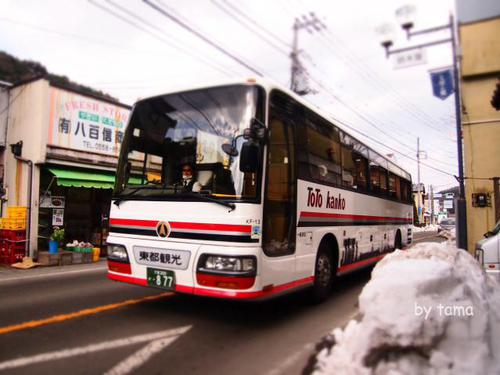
(323, 276)
(398, 244)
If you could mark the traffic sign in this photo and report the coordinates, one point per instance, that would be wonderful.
(442, 83)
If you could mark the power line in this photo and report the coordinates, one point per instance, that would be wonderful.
(353, 61)
(220, 49)
(202, 37)
(237, 18)
(255, 23)
(166, 41)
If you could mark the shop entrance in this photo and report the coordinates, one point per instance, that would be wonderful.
(81, 210)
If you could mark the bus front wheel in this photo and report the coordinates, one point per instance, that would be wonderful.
(323, 276)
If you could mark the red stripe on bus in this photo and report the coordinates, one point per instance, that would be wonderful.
(220, 293)
(347, 216)
(361, 263)
(214, 227)
(126, 222)
(184, 225)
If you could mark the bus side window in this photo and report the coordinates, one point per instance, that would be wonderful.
(404, 190)
(394, 186)
(348, 168)
(361, 164)
(383, 181)
(323, 150)
(374, 178)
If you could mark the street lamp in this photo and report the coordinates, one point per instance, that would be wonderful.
(406, 18)
(386, 34)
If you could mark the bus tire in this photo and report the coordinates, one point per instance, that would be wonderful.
(398, 243)
(324, 273)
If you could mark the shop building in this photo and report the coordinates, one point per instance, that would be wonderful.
(67, 146)
(480, 42)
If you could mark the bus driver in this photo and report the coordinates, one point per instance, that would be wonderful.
(188, 181)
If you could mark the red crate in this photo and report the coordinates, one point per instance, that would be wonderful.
(12, 251)
(13, 235)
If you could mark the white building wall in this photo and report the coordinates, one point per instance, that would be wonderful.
(28, 122)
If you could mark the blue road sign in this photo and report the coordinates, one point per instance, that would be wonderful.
(442, 83)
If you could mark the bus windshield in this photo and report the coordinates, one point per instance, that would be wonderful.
(172, 147)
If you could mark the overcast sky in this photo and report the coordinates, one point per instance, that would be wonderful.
(141, 53)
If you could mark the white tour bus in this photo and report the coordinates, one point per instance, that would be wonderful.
(283, 198)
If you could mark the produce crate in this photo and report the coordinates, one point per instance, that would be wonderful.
(47, 259)
(86, 257)
(66, 257)
(76, 258)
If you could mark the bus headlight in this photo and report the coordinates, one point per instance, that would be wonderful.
(226, 272)
(234, 265)
(117, 253)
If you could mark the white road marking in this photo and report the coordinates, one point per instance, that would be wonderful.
(52, 274)
(288, 363)
(171, 334)
(141, 356)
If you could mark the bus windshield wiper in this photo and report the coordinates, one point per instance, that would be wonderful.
(207, 198)
(132, 191)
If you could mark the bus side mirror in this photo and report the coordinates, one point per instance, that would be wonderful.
(249, 157)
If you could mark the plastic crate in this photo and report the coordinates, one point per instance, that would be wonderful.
(17, 212)
(13, 235)
(14, 224)
(12, 251)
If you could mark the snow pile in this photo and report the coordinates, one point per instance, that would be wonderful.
(449, 234)
(428, 310)
(427, 228)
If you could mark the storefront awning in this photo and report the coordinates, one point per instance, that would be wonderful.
(96, 179)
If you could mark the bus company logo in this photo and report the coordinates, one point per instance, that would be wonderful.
(315, 199)
(163, 229)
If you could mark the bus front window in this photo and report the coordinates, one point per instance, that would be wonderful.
(173, 145)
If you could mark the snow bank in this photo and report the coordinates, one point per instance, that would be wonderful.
(428, 228)
(427, 310)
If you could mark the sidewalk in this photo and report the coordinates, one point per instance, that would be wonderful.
(10, 273)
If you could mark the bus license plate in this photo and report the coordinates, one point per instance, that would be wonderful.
(164, 279)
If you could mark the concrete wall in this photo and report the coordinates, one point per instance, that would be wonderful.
(481, 122)
(480, 47)
(28, 121)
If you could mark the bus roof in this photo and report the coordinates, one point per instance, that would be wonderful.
(269, 85)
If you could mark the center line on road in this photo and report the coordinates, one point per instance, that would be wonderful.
(81, 313)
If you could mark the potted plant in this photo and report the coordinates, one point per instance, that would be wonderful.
(56, 237)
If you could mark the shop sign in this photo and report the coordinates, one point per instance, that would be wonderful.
(81, 123)
(448, 204)
(48, 201)
(58, 217)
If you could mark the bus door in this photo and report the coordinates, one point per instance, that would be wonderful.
(280, 198)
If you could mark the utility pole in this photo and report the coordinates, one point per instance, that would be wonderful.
(418, 181)
(431, 192)
(298, 73)
(423, 155)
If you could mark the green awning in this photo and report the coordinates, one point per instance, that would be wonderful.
(97, 180)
